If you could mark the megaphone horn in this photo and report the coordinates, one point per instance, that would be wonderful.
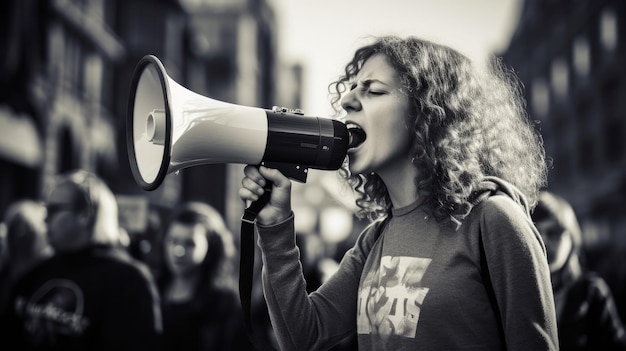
(170, 128)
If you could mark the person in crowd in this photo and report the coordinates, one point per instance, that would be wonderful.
(26, 243)
(90, 295)
(587, 316)
(201, 309)
(447, 165)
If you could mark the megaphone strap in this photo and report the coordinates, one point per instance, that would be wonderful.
(246, 268)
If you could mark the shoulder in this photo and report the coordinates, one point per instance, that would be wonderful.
(125, 266)
(501, 211)
(41, 269)
(504, 222)
(501, 205)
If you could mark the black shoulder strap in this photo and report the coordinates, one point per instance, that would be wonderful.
(246, 269)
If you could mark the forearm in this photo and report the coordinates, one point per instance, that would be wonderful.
(300, 321)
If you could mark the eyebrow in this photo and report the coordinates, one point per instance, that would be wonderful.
(368, 82)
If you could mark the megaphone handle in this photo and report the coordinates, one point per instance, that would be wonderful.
(246, 267)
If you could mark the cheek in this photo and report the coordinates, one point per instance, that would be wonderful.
(394, 136)
(59, 226)
(179, 264)
(169, 256)
(394, 122)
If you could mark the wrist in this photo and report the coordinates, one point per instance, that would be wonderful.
(277, 220)
(277, 236)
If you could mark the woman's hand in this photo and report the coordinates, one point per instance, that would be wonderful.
(278, 207)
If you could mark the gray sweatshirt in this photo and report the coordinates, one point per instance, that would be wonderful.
(413, 283)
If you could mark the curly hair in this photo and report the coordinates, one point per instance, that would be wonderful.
(468, 121)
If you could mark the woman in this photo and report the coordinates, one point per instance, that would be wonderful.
(587, 316)
(200, 306)
(448, 168)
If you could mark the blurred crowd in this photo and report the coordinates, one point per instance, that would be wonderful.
(71, 278)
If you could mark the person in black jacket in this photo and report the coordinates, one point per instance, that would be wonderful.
(91, 295)
(587, 316)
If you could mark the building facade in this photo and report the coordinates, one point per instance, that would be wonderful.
(65, 83)
(570, 57)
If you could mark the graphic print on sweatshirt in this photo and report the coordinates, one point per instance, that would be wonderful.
(391, 296)
(56, 308)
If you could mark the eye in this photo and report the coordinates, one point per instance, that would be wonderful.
(375, 92)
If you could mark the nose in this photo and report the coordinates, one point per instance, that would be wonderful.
(350, 101)
(179, 251)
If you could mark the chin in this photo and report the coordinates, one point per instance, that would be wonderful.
(355, 170)
(356, 167)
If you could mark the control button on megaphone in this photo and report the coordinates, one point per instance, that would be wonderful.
(170, 128)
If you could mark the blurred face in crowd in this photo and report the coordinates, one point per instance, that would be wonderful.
(27, 223)
(558, 242)
(68, 226)
(186, 246)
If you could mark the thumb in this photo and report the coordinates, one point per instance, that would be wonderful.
(276, 177)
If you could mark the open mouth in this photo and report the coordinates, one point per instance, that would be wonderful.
(356, 135)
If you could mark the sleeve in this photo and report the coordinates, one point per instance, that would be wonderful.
(520, 275)
(326, 316)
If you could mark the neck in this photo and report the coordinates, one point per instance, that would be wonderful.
(401, 185)
(181, 288)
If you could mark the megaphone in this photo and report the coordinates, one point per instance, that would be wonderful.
(170, 128)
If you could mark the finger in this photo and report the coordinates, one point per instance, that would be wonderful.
(247, 195)
(253, 173)
(253, 186)
(250, 169)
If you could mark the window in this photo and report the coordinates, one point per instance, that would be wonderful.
(93, 69)
(608, 29)
(559, 77)
(581, 56)
(540, 98)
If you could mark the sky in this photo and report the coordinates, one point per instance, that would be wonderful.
(322, 35)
